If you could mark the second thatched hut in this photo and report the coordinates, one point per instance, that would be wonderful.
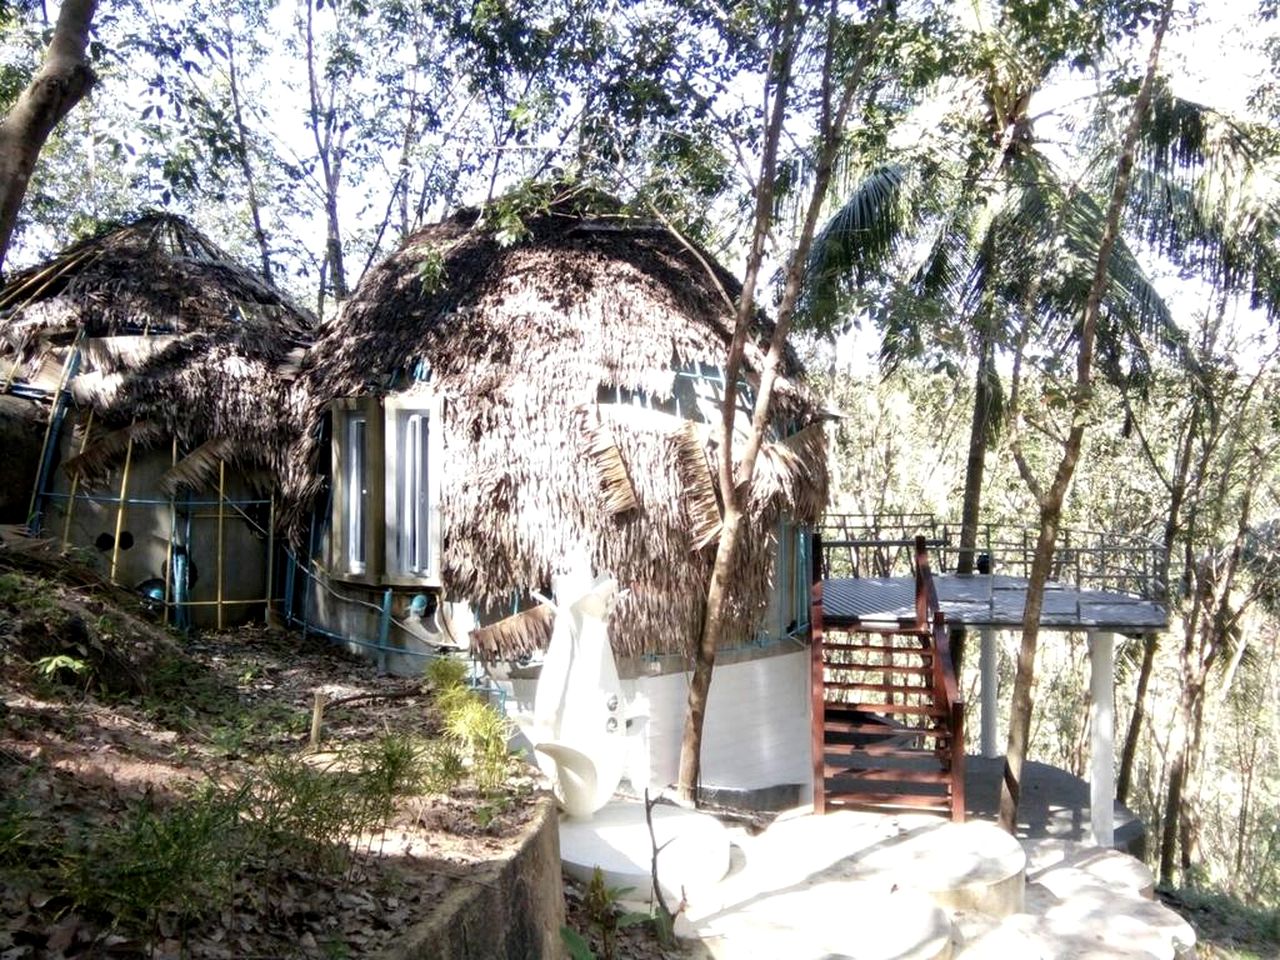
(145, 389)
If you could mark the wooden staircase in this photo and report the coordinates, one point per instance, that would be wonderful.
(888, 722)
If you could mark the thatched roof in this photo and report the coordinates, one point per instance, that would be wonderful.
(519, 340)
(174, 339)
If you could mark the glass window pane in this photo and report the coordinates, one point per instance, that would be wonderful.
(356, 483)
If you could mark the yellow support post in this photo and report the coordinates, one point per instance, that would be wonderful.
(75, 486)
(271, 554)
(168, 549)
(124, 493)
(53, 416)
(222, 493)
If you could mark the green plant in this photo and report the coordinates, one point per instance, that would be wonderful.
(17, 832)
(65, 670)
(603, 913)
(443, 768)
(393, 766)
(576, 943)
(445, 673)
(432, 271)
(316, 811)
(13, 587)
(481, 733)
(182, 859)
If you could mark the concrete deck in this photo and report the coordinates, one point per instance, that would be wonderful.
(1054, 804)
(994, 601)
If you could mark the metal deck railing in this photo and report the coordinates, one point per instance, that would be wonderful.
(882, 545)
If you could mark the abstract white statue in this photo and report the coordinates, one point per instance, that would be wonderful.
(579, 723)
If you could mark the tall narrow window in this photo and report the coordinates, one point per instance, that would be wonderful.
(356, 486)
(413, 515)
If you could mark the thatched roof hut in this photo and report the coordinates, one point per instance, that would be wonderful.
(167, 338)
(558, 361)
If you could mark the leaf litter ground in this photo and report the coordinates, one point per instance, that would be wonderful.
(125, 749)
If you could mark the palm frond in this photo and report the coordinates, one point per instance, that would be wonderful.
(702, 509)
(616, 491)
(854, 245)
(93, 465)
(197, 469)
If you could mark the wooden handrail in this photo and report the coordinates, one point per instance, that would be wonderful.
(931, 621)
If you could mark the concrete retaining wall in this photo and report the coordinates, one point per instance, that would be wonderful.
(512, 909)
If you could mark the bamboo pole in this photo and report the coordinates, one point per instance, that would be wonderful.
(222, 493)
(271, 554)
(53, 417)
(75, 485)
(173, 529)
(124, 491)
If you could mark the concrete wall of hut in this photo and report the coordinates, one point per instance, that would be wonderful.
(756, 736)
(147, 523)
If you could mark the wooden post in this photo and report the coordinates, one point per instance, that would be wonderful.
(317, 720)
(1102, 735)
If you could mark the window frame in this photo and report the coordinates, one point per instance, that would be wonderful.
(431, 407)
(343, 413)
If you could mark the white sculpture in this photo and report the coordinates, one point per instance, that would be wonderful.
(579, 723)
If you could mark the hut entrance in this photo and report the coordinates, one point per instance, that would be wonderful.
(888, 722)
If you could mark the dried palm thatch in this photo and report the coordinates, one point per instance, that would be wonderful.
(528, 345)
(174, 341)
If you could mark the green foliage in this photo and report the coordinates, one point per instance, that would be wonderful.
(602, 906)
(443, 767)
(432, 271)
(182, 859)
(445, 673)
(576, 944)
(52, 666)
(480, 733)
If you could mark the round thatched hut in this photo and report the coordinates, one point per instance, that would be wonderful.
(483, 413)
(149, 377)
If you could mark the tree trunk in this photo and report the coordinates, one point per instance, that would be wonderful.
(1130, 749)
(246, 166)
(61, 82)
(1051, 500)
(975, 465)
(736, 478)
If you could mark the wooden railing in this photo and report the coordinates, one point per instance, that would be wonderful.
(946, 687)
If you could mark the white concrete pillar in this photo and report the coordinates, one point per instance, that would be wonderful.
(989, 684)
(1102, 719)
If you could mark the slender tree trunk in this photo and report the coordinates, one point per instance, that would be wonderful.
(322, 119)
(246, 166)
(1051, 500)
(61, 82)
(1130, 749)
(736, 478)
(975, 465)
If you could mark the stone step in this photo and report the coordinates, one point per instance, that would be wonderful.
(844, 919)
(1085, 903)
